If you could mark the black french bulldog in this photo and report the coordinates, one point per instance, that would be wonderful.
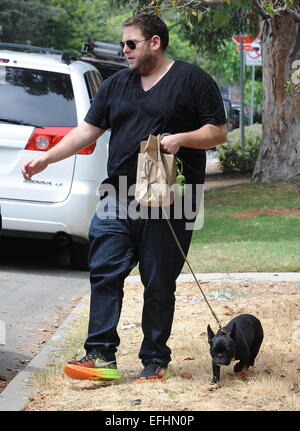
(239, 340)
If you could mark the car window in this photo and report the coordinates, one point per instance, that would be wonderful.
(107, 69)
(93, 81)
(37, 96)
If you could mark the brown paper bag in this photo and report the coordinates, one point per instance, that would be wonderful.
(156, 174)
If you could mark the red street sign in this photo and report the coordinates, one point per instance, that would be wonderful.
(246, 39)
(254, 52)
(246, 47)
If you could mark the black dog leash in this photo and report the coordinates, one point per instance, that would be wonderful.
(186, 260)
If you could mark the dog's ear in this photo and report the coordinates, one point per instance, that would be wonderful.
(233, 332)
(210, 333)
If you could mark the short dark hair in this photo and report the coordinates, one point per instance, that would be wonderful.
(150, 24)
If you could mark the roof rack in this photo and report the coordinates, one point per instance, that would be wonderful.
(66, 57)
(103, 50)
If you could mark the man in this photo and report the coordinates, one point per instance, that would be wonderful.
(154, 95)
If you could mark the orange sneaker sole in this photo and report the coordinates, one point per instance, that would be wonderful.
(84, 373)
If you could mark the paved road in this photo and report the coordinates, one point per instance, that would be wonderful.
(37, 291)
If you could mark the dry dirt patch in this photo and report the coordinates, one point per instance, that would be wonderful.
(274, 383)
(270, 212)
(222, 180)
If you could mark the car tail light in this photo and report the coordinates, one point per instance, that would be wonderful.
(46, 138)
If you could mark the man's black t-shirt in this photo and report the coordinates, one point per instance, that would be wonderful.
(184, 99)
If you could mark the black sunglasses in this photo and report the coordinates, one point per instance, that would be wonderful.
(131, 43)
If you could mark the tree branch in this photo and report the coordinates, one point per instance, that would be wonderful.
(256, 3)
(205, 2)
(260, 10)
(278, 11)
(282, 10)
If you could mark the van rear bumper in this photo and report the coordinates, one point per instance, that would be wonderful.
(45, 219)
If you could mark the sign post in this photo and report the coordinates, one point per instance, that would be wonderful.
(252, 95)
(253, 58)
(242, 80)
(251, 46)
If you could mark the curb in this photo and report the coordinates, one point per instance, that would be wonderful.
(15, 395)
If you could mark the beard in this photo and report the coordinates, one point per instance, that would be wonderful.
(145, 64)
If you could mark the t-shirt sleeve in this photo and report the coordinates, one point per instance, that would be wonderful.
(98, 114)
(207, 99)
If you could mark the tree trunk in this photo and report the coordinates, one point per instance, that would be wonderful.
(279, 156)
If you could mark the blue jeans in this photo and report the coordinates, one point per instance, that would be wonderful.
(116, 246)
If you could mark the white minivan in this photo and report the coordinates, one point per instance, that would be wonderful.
(43, 95)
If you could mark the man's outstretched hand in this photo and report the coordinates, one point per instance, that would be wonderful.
(33, 167)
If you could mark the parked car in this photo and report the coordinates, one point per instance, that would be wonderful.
(231, 115)
(108, 58)
(235, 118)
(44, 94)
(237, 108)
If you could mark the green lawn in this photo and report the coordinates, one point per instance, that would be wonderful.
(260, 243)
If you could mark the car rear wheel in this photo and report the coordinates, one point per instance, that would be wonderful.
(79, 255)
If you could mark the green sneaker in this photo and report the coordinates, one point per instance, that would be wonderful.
(154, 370)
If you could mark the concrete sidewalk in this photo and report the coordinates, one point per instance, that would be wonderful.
(17, 392)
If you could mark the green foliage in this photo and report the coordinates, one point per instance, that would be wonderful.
(269, 8)
(180, 48)
(205, 26)
(230, 155)
(66, 24)
(218, 26)
(30, 21)
(258, 93)
(84, 19)
(223, 66)
(62, 24)
(288, 3)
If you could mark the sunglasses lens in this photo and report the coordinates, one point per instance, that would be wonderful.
(131, 44)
